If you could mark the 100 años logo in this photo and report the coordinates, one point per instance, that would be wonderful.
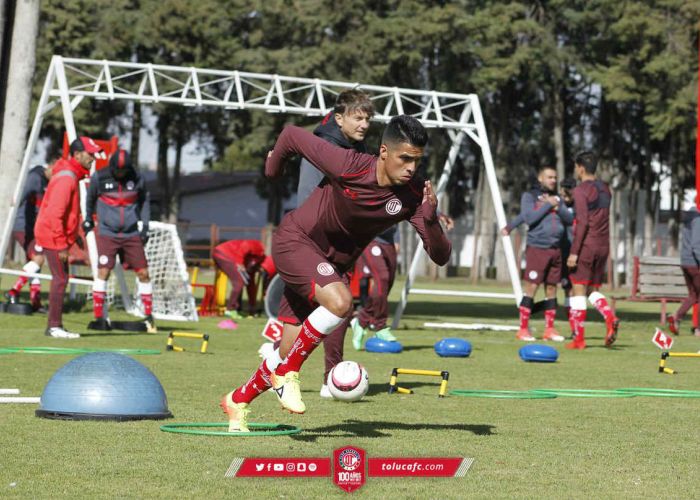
(349, 470)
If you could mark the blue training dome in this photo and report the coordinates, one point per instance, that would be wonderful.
(453, 348)
(104, 386)
(375, 344)
(538, 353)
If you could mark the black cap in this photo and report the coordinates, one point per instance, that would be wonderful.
(121, 159)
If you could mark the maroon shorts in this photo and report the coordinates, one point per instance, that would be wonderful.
(302, 266)
(543, 265)
(30, 247)
(130, 251)
(590, 267)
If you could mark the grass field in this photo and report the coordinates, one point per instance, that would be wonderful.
(564, 447)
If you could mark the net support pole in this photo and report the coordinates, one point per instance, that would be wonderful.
(41, 109)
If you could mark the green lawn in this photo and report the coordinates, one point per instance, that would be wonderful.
(564, 447)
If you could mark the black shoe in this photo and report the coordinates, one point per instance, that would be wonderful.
(150, 324)
(12, 296)
(100, 324)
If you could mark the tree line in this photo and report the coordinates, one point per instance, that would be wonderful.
(553, 77)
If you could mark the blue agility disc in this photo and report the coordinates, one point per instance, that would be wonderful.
(375, 344)
(538, 353)
(453, 348)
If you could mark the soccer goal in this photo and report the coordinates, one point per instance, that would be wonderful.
(70, 80)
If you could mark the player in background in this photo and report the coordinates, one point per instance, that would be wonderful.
(315, 245)
(57, 224)
(590, 249)
(547, 217)
(118, 196)
(690, 265)
(240, 260)
(34, 188)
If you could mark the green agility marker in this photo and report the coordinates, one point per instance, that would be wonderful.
(483, 393)
(67, 350)
(660, 393)
(264, 429)
(585, 393)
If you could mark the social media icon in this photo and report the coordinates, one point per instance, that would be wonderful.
(301, 467)
(259, 467)
(312, 467)
(291, 467)
(278, 467)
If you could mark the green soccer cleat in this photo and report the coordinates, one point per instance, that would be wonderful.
(358, 333)
(385, 334)
(237, 414)
(233, 314)
(288, 391)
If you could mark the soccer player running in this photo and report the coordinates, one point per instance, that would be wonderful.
(346, 127)
(590, 249)
(34, 188)
(240, 260)
(316, 244)
(118, 195)
(547, 217)
(690, 265)
(57, 225)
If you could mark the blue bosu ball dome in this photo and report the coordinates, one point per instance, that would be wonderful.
(538, 353)
(453, 348)
(104, 386)
(375, 344)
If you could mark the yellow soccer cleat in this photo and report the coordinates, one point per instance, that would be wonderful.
(150, 324)
(237, 414)
(288, 391)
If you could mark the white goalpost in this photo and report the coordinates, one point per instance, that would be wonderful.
(70, 80)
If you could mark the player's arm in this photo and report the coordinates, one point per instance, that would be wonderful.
(531, 214)
(566, 216)
(427, 224)
(582, 221)
(695, 235)
(144, 205)
(55, 210)
(330, 159)
(90, 201)
(517, 221)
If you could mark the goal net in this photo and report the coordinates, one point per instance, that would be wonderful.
(172, 293)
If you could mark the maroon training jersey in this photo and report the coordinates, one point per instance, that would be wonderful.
(342, 217)
(592, 209)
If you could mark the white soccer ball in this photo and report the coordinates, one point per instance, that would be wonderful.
(348, 381)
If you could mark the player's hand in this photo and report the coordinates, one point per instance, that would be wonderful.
(144, 236)
(63, 255)
(88, 225)
(429, 198)
(447, 221)
(244, 274)
(505, 231)
(552, 200)
(572, 261)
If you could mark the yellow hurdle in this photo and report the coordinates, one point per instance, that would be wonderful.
(408, 371)
(662, 362)
(202, 336)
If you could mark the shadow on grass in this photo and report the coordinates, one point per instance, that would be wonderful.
(375, 389)
(383, 429)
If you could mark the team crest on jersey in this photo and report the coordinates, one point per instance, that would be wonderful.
(376, 251)
(393, 206)
(325, 269)
(103, 259)
(130, 185)
(533, 275)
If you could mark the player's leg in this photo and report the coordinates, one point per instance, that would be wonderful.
(387, 272)
(35, 284)
(577, 315)
(107, 249)
(12, 294)
(333, 350)
(674, 320)
(360, 324)
(552, 276)
(134, 254)
(59, 271)
(533, 277)
(599, 301)
(230, 269)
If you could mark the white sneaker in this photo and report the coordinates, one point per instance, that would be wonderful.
(58, 332)
(266, 350)
(325, 392)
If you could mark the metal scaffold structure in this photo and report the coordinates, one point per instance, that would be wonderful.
(69, 81)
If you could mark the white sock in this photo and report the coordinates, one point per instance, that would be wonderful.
(578, 303)
(145, 288)
(323, 321)
(595, 297)
(274, 360)
(31, 267)
(36, 281)
(99, 285)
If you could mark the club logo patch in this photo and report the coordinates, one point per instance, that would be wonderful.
(533, 275)
(38, 248)
(325, 269)
(103, 259)
(393, 206)
(130, 185)
(376, 251)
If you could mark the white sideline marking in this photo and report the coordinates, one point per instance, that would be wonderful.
(473, 326)
(20, 400)
(454, 293)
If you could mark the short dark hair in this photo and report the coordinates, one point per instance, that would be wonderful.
(76, 146)
(404, 128)
(588, 160)
(568, 183)
(353, 100)
(545, 166)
